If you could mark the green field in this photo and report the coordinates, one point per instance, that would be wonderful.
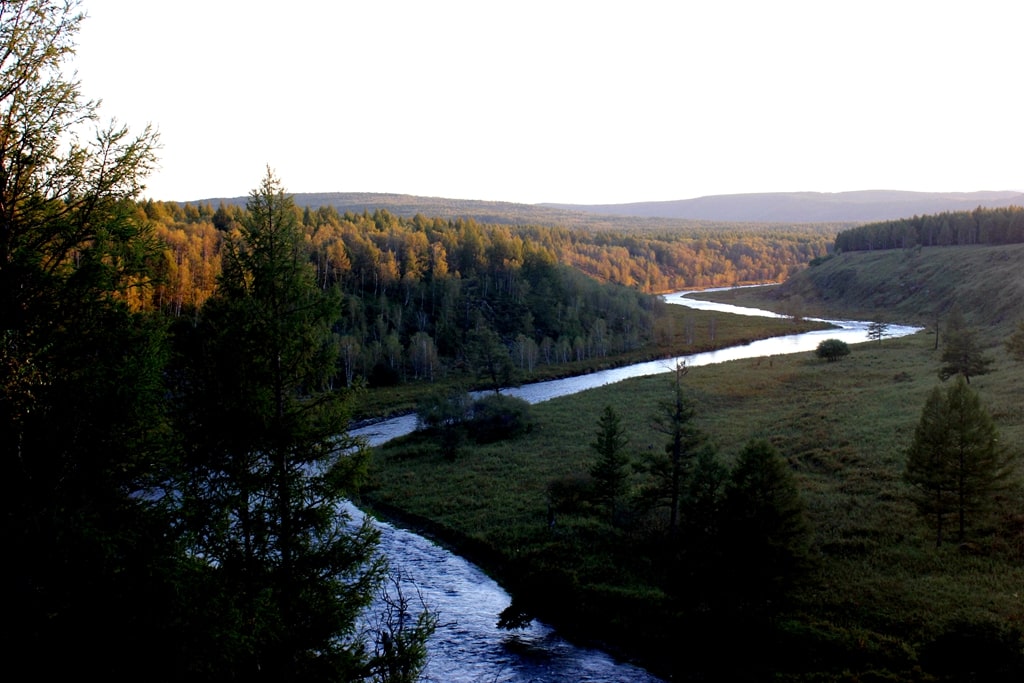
(880, 598)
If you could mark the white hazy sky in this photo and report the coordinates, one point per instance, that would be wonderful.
(565, 101)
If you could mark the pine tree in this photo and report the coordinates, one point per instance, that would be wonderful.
(877, 330)
(611, 469)
(81, 431)
(272, 461)
(670, 472)
(929, 469)
(962, 354)
(489, 356)
(955, 462)
(767, 535)
(1015, 343)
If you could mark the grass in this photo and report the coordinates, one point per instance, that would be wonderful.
(880, 591)
(913, 286)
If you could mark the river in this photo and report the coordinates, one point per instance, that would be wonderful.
(467, 646)
(849, 331)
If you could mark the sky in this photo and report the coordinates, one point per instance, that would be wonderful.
(564, 101)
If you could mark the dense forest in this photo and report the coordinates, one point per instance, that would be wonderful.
(170, 498)
(414, 289)
(981, 226)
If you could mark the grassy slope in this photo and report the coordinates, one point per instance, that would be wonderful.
(881, 589)
(915, 285)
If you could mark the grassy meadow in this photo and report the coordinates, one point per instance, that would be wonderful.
(881, 602)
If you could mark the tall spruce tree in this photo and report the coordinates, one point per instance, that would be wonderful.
(955, 463)
(670, 471)
(271, 462)
(962, 354)
(81, 520)
(611, 470)
(929, 469)
(767, 535)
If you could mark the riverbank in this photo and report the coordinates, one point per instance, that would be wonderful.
(683, 331)
(505, 570)
(842, 427)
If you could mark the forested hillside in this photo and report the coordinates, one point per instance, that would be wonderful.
(750, 212)
(918, 269)
(417, 291)
(1003, 225)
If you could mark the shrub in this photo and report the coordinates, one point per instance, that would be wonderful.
(445, 416)
(570, 493)
(495, 417)
(832, 349)
(438, 410)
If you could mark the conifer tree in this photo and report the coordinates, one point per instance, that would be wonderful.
(1015, 343)
(962, 354)
(611, 469)
(81, 519)
(671, 471)
(767, 528)
(272, 461)
(955, 462)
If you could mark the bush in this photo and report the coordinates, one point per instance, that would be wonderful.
(437, 410)
(570, 493)
(445, 416)
(832, 349)
(496, 417)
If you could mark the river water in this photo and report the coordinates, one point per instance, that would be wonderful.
(467, 646)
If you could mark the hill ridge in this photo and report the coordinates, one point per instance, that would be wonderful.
(851, 206)
(857, 206)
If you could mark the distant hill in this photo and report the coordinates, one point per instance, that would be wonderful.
(712, 211)
(510, 213)
(807, 207)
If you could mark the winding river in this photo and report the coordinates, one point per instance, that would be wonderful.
(467, 646)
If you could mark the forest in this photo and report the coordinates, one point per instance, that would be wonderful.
(414, 288)
(958, 228)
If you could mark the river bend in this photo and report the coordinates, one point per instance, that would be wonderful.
(467, 646)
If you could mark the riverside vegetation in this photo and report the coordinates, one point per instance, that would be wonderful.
(174, 400)
(875, 599)
(174, 403)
